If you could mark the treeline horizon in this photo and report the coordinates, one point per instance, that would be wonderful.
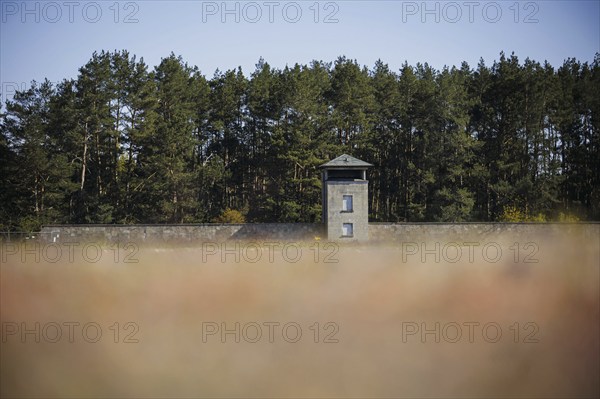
(126, 143)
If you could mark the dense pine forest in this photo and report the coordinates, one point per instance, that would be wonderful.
(125, 143)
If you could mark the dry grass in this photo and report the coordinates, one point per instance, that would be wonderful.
(369, 293)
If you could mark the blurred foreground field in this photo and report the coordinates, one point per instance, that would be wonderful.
(374, 297)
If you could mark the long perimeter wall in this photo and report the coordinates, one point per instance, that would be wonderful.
(378, 232)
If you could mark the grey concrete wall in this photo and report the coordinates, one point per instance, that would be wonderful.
(378, 232)
(402, 232)
(183, 233)
(359, 217)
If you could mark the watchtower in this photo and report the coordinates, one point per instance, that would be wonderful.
(346, 198)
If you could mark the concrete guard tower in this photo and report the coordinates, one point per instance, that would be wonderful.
(346, 198)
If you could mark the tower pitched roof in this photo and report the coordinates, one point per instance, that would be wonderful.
(346, 161)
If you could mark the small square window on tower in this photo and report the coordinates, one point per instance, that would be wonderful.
(347, 203)
(347, 230)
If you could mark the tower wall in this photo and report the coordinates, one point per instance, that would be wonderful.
(336, 216)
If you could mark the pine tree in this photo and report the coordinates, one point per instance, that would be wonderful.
(34, 176)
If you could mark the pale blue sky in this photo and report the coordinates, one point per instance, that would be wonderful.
(52, 39)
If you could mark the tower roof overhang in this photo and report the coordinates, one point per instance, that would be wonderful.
(346, 161)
